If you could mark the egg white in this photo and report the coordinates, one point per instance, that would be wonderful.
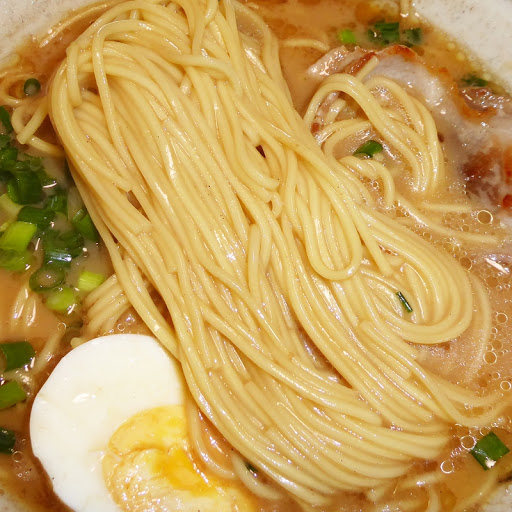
(90, 393)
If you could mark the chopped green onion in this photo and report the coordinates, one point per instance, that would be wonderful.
(251, 468)
(347, 36)
(75, 202)
(17, 236)
(25, 187)
(46, 278)
(5, 140)
(61, 248)
(369, 148)
(10, 394)
(89, 281)
(5, 119)
(10, 208)
(45, 180)
(57, 256)
(384, 33)
(474, 81)
(39, 216)
(61, 299)
(404, 302)
(58, 203)
(31, 163)
(31, 87)
(413, 36)
(7, 441)
(15, 261)
(73, 241)
(83, 223)
(8, 156)
(17, 354)
(488, 450)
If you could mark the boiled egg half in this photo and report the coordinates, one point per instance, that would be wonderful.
(109, 427)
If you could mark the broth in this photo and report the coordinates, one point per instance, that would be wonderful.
(23, 476)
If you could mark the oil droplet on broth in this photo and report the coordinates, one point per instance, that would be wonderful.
(484, 217)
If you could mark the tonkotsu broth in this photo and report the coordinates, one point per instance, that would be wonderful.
(321, 19)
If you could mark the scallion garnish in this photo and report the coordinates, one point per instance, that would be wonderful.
(61, 299)
(40, 216)
(347, 36)
(8, 156)
(10, 394)
(384, 33)
(251, 468)
(5, 119)
(32, 163)
(413, 36)
(5, 140)
(46, 278)
(8, 207)
(404, 302)
(17, 354)
(7, 441)
(57, 256)
(369, 148)
(61, 248)
(488, 450)
(58, 203)
(83, 224)
(17, 236)
(474, 81)
(89, 281)
(25, 187)
(15, 261)
(31, 87)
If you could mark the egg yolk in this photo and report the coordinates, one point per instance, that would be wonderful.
(148, 467)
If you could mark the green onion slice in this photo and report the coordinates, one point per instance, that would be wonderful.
(58, 257)
(61, 300)
(83, 224)
(10, 394)
(46, 278)
(31, 87)
(5, 140)
(32, 163)
(58, 203)
(25, 187)
(89, 281)
(488, 450)
(347, 36)
(404, 302)
(474, 81)
(413, 36)
(384, 33)
(61, 248)
(39, 216)
(7, 441)
(17, 354)
(369, 148)
(8, 156)
(5, 119)
(17, 236)
(8, 207)
(15, 261)
(251, 468)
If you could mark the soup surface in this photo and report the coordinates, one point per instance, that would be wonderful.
(297, 23)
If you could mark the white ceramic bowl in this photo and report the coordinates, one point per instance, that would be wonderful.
(484, 28)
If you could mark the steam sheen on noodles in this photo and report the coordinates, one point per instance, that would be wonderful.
(257, 257)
